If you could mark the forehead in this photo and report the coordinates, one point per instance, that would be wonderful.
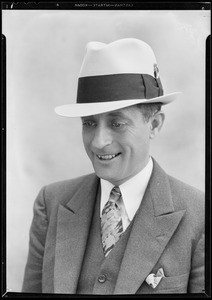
(127, 112)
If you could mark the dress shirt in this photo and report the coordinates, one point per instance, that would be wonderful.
(132, 191)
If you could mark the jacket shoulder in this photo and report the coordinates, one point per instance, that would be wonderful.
(69, 184)
(184, 187)
(62, 191)
(183, 194)
(191, 199)
(185, 190)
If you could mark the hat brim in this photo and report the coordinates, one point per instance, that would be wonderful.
(88, 109)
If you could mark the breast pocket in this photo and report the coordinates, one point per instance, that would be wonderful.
(173, 284)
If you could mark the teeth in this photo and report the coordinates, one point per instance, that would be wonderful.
(107, 157)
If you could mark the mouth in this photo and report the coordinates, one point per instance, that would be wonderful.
(107, 156)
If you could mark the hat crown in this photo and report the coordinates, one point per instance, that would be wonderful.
(127, 55)
(116, 75)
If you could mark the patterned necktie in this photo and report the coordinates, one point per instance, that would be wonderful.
(111, 221)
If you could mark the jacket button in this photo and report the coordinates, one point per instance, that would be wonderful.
(102, 278)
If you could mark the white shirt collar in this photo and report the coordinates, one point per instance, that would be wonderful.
(132, 190)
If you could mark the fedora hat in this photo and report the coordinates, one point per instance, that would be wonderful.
(116, 75)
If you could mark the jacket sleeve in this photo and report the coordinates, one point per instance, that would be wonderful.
(197, 274)
(32, 282)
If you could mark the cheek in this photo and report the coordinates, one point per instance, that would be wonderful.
(139, 145)
(86, 140)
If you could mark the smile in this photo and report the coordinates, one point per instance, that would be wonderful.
(107, 156)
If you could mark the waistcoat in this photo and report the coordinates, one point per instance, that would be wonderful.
(99, 273)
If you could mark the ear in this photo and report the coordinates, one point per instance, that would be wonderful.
(156, 123)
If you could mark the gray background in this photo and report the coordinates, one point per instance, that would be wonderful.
(44, 54)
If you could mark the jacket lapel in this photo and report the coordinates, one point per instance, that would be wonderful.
(72, 231)
(154, 224)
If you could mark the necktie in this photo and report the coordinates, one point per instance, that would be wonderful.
(111, 221)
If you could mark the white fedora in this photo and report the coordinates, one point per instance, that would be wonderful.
(114, 76)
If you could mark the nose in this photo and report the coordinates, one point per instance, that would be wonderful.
(102, 137)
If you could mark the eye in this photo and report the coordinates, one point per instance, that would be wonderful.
(118, 124)
(88, 123)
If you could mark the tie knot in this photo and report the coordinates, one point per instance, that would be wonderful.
(116, 191)
(115, 194)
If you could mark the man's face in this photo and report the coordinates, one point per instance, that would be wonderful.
(117, 143)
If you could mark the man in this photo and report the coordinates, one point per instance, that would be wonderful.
(129, 228)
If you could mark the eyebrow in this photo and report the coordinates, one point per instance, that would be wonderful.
(117, 114)
(110, 114)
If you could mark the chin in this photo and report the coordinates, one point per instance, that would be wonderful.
(105, 176)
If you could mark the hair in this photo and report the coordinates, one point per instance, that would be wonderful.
(149, 109)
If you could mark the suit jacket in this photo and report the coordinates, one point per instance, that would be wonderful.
(168, 232)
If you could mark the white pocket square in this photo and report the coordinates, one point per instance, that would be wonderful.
(153, 279)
